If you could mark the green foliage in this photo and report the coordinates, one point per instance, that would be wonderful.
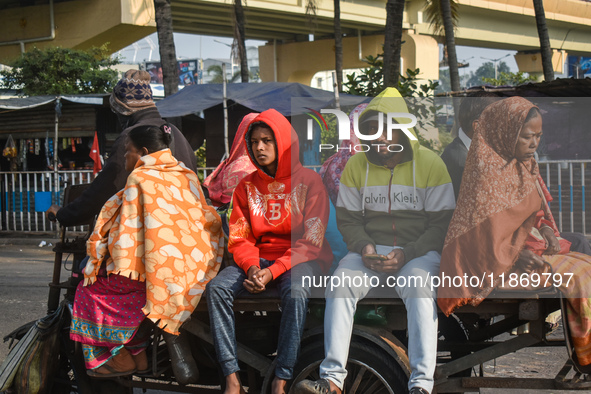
(370, 82)
(509, 78)
(330, 136)
(218, 76)
(487, 70)
(433, 15)
(201, 159)
(62, 71)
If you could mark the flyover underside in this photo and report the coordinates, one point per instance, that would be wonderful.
(503, 24)
(264, 21)
(489, 24)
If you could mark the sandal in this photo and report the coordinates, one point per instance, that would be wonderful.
(121, 364)
(106, 371)
(321, 386)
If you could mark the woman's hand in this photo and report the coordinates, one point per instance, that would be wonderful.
(551, 240)
(528, 261)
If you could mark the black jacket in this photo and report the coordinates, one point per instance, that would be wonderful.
(454, 156)
(113, 176)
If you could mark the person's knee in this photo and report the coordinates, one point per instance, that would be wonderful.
(215, 290)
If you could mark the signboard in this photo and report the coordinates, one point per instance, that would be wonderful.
(579, 67)
(190, 72)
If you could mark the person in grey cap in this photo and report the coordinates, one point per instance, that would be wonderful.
(132, 102)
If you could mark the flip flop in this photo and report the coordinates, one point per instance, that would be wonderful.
(110, 372)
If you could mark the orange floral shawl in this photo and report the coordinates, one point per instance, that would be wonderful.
(160, 230)
(496, 207)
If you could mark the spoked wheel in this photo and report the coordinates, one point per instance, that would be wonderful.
(370, 369)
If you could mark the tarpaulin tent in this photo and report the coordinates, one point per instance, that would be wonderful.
(566, 120)
(287, 98)
(254, 96)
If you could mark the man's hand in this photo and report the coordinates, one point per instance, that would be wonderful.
(551, 240)
(263, 277)
(250, 284)
(528, 261)
(51, 213)
(369, 263)
(396, 260)
(257, 279)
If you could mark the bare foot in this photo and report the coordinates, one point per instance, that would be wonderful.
(233, 384)
(333, 387)
(278, 386)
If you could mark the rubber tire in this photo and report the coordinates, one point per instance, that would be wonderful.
(360, 350)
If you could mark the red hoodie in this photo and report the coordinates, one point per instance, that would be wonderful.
(281, 218)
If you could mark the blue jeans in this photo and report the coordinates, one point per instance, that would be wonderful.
(227, 286)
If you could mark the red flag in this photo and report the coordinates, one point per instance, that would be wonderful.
(95, 155)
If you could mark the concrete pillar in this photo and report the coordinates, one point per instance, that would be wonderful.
(299, 61)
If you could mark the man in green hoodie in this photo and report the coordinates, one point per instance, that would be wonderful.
(393, 210)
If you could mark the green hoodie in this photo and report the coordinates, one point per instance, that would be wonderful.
(410, 205)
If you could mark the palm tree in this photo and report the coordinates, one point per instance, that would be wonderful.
(338, 45)
(443, 16)
(239, 38)
(170, 72)
(218, 74)
(544, 40)
(393, 42)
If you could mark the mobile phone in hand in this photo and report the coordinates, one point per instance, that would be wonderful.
(375, 257)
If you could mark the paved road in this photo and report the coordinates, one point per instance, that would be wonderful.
(25, 271)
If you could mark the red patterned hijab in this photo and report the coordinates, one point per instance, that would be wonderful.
(496, 208)
(224, 179)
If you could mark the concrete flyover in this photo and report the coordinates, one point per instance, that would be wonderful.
(285, 25)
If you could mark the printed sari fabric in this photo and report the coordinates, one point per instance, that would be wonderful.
(159, 230)
(106, 316)
(497, 209)
(224, 179)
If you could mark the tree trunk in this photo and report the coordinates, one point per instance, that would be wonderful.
(544, 40)
(338, 45)
(450, 43)
(170, 72)
(240, 40)
(393, 42)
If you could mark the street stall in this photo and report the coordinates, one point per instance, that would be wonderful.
(46, 144)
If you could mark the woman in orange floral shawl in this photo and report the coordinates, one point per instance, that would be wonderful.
(155, 246)
(498, 207)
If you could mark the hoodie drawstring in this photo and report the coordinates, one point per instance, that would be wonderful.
(364, 190)
(414, 186)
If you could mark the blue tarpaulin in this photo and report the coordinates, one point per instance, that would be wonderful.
(256, 96)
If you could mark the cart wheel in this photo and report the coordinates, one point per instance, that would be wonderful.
(370, 369)
(452, 330)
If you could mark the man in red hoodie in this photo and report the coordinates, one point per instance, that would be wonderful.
(277, 230)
